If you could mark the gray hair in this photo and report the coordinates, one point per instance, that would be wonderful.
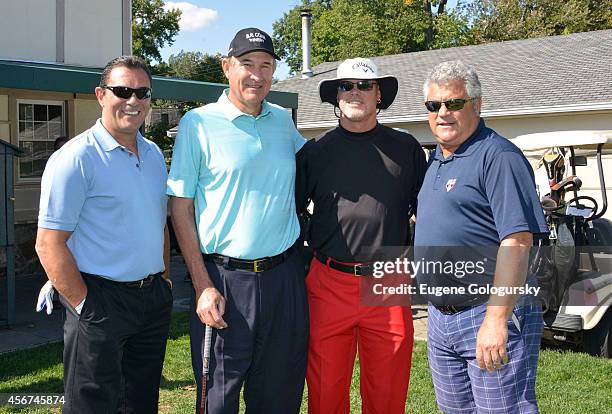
(454, 70)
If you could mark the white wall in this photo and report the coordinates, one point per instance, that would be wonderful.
(93, 32)
(511, 127)
(27, 30)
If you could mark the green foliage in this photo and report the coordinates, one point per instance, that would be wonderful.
(499, 20)
(152, 28)
(451, 30)
(348, 28)
(287, 31)
(157, 133)
(369, 28)
(197, 66)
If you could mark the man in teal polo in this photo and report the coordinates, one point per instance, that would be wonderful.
(233, 209)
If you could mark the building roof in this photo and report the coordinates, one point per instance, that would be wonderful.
(78, 79)
(567, 73)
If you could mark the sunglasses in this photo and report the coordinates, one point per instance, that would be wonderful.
(362, 85)
(452, 104)
(124, 92)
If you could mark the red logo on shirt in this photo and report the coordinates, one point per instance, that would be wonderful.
(450, 184)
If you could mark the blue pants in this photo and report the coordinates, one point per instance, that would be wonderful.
(460, 385)
(264, 347)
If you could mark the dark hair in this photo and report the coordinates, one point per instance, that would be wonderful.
(127, 61)
(59, 141)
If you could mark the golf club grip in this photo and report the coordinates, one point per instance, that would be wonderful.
(205, 362)
(206, 352)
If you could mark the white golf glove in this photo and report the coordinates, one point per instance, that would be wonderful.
(45, 298)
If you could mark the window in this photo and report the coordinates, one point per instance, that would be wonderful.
(39, 124)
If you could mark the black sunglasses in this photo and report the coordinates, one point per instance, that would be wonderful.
(452, 104)
(362, 85)
(124, 92)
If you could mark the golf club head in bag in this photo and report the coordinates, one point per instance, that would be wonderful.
(554, 163)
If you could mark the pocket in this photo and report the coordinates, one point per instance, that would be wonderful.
(516, 319)
(93, 310)
(167, 291)
(69, 307)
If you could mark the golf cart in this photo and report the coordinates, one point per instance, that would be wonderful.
(573, 263)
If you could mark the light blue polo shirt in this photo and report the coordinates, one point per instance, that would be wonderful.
(240, 169)
(112, 201)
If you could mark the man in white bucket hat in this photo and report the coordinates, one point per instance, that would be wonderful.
(363, 179)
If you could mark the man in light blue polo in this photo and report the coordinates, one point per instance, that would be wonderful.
(233, 209)
(101, 242)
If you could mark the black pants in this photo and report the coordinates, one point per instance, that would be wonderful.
(264, 347)
(114, 351)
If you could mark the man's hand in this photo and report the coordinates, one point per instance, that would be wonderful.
(60, 266)
(510, 271)
(211, 307)
(491, 343)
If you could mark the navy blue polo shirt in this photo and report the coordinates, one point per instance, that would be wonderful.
(479, 195)
(475, 198)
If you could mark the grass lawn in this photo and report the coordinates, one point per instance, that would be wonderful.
(567, 382)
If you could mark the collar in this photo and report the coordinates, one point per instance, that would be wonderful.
(467, 147)
(359, 136)
(108, 143)
(232, 112)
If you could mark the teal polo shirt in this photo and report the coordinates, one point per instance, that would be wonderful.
(112, 201)
(240, 171)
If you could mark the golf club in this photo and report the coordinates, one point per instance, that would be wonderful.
(205, 362)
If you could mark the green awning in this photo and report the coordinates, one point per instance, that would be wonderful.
(74, 79)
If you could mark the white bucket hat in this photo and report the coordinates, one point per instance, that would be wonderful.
(359, 68)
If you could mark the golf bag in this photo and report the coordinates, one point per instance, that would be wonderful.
(556, 259)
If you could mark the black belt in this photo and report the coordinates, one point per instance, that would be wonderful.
(357, 269)
(258, 265)
(450, 309)
(137, 284)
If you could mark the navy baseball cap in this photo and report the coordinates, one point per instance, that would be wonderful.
(251, 39)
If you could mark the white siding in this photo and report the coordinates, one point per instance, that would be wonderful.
(27, 30)
(93, 32)
(511, 127)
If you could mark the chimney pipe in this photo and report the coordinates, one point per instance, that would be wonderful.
(306, 43)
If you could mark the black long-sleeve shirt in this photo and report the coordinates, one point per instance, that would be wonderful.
(364, 188)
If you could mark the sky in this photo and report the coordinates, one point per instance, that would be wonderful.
(209, 26)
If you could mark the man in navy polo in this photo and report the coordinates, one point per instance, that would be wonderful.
(101, 242)
(233, 208)
(479, 192)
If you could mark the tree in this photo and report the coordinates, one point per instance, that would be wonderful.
(287, 31)
(152, 28)
(197, 66)
(350, 28)
(498, 20)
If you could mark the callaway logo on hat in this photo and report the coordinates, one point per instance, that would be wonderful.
(251, 40)
(359, 68)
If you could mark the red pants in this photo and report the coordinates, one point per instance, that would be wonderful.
(339, 325)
